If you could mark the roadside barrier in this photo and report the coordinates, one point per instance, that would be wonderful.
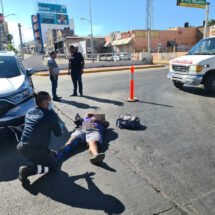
(132, 84)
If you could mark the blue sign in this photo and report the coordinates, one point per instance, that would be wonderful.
(56, 19)
(52, 8)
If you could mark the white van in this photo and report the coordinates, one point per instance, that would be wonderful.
(195, 68)
(16, 90)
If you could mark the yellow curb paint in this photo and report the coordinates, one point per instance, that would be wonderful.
(108, 69)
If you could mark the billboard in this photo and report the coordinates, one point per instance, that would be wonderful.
(192, 3)
(56, 19)
(52, 8)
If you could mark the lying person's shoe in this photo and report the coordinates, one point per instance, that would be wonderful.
(97, 158)
(23, 175)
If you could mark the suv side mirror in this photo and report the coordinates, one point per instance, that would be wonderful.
(30, 71)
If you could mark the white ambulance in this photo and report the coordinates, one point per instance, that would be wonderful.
(197, 67)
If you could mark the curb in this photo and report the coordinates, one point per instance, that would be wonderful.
(162, 62)
(106, 69)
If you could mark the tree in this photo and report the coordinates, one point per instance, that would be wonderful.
(211, 22)
(10, 46)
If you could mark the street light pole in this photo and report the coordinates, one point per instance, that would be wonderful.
(2, 7)
(11, 14)
(91, 27)
(206, 19)
(20, 37)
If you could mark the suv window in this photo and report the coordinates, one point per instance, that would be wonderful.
(9, 67)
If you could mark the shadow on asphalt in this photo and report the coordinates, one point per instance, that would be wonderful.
(105, 166)
(142, 128)
(102, 100)
(78, 104)
(197, 91)
(11, 159)
(157, 104)
(62, 188)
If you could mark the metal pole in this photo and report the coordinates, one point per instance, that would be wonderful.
(91, 27)
(149, 18)
(149, 41)
(206, 19)
(20, 37)
(2, 8)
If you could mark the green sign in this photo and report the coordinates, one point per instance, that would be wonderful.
(192, 3)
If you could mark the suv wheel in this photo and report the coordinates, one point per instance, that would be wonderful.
(210, 84)
(178, 85)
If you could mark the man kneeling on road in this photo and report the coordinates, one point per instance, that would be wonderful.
(34, 144)
(91, 132)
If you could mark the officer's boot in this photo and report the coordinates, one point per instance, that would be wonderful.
(25, 172)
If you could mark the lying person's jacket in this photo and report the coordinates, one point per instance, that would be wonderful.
(39, 123)
(89, 123)
(92, 123)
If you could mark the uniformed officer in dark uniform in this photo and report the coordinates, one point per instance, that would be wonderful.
(76, 66)
(34, 144)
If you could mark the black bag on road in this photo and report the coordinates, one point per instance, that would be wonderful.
(128, 122)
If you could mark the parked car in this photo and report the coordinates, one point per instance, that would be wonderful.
(121, 56)
(116, 57)
(16, 90)
(125, 56)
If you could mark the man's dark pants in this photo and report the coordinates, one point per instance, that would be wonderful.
(77, 82)
(43, 157)
(54, 81)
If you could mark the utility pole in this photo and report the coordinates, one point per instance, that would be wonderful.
(149, 20)
(2, 8)
(91, 27)
(206, 19)
(20, 37)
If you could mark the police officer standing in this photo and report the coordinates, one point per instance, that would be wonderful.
(76, 66)
(40, 122)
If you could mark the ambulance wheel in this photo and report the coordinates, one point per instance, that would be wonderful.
(178, 85)
(209, 84)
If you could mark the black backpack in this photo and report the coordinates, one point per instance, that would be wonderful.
(128, 122)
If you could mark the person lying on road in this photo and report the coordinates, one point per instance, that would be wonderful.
(91, 132)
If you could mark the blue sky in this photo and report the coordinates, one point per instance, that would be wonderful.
(108, 16)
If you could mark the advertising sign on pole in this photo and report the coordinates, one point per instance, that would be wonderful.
(52, 8)
(192, 3)
(1, 18)
(37, 32)
(56, 19)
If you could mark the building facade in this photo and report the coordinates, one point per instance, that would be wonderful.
(61, 40)
(56, 39)
(173, 39)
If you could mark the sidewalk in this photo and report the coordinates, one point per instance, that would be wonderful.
(103, 69)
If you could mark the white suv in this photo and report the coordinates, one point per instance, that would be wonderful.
(16, 90)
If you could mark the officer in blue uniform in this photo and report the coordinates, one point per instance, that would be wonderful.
(40, 122)
(76, 66)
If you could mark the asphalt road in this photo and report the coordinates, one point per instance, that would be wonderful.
(166, 168)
